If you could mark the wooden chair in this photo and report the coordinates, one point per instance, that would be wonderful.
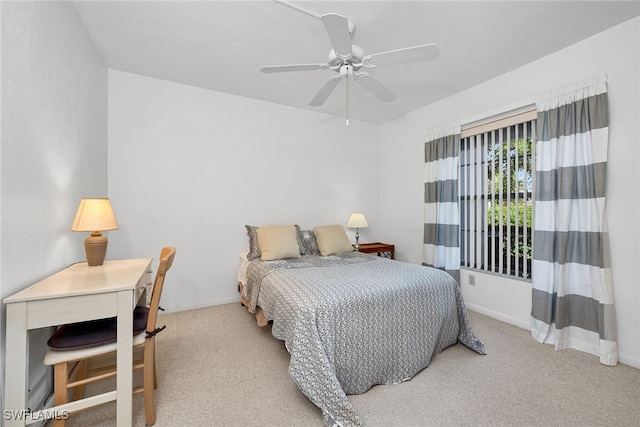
(72, 346)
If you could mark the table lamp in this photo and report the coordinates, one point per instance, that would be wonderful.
(95, 215)
(357, 221)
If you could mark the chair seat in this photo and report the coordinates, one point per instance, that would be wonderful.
(53, 357)
(94, 333)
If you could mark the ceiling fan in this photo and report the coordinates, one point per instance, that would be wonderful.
(349, 60)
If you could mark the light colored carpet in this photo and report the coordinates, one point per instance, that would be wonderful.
(216, 367)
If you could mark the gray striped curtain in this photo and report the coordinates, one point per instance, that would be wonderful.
(441, 242)
(572, 304)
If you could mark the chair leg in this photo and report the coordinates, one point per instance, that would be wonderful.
(148, 381)
(60, 394)
(155, 377)
(82, 374)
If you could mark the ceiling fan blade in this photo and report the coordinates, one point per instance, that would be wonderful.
(298, 8)
(425, 52)
(337, 27)
(326, 90)
(294, 67)
(375, 86)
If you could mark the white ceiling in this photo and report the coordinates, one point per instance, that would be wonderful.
(221, 45)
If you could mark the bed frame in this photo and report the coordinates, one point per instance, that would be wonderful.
(261, 318)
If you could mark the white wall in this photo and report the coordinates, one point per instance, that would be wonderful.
(53, 152)
(190, 167)
(228, 161)
(615, 52)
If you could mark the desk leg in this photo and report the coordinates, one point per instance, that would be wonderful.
(124, 381)
(16, 365)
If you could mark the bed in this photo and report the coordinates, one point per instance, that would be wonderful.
(351, 320)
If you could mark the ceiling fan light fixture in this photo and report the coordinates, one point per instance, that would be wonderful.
(346, 70)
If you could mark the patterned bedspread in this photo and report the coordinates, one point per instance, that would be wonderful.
(355, 320)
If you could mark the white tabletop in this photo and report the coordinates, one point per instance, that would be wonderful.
(81, 279)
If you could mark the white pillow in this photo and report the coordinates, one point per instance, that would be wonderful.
(278, 242)
(332, 240)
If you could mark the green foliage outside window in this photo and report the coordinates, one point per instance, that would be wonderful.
(517, 216)
(510, 175)
(511, 156)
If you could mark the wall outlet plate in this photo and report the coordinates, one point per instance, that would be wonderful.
(472, 280)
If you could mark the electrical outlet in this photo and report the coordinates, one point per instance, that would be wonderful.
(472, 280)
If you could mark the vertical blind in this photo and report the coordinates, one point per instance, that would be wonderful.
(496, 186)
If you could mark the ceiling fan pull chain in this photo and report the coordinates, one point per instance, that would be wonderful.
(347, 124)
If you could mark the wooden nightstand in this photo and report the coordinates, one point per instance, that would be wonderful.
(384, 250)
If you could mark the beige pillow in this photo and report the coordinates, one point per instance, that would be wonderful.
(332, 240)
(278, 242)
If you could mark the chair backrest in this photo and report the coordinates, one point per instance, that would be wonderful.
(166, 261)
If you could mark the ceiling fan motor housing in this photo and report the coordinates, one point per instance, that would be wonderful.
(355, 60)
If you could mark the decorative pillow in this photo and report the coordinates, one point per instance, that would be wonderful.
(332, 240)
(254, 248)
(278, 242)
(300, 242)
(309, 242)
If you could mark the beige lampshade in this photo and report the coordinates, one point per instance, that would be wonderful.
(94, 215)
(357, 220)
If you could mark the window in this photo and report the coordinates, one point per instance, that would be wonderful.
(495, 195)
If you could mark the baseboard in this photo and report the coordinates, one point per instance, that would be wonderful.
(626, 360)
(203, 304)
(629, 361)
(499, 316)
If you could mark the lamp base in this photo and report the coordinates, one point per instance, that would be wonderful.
(95, 247)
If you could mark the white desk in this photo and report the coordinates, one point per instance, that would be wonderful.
(75, 294)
